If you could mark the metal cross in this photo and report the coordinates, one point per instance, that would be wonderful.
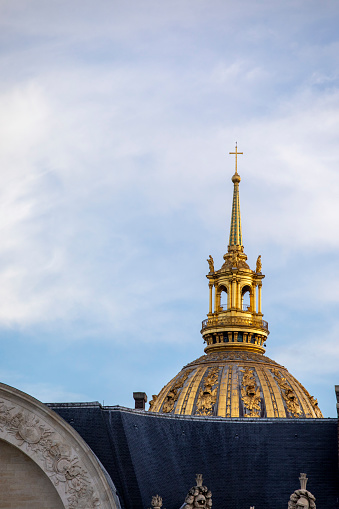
(236, 156)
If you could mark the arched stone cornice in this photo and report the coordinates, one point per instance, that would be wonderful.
(57, 449)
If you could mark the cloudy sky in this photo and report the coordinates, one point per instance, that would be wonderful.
(116, 120)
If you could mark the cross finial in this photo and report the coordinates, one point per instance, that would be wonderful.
(236, 156)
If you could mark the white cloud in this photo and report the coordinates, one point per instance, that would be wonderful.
(100, 146)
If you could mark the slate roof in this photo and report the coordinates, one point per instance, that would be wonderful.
(244, 462)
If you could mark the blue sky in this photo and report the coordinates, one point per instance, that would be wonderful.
(115, 186)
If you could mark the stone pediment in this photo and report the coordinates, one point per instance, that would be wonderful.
(57, 449)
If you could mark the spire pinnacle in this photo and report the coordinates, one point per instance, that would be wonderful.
(235, 321)
(235, 231)
(236, 156)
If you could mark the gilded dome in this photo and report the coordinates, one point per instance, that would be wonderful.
(234, 378)
(235, 384)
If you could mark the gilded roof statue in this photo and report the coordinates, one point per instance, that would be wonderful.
(234, 378)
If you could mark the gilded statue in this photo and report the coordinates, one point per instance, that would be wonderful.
(198, 497)
(250, 394)
(259, 265)
(211, 264)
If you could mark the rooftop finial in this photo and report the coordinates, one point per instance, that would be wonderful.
(303, 481)
(199, 479)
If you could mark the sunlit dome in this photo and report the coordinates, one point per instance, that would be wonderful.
(234, 378)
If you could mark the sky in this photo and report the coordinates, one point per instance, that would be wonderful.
(116, 123)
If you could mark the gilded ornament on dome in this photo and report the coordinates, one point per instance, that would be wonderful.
(234, 260)
(227, 265)
(288, 394)
(207, 395)
(250, 394)
(174, 393)
(153, 401)
(242, 264)
(313, 401)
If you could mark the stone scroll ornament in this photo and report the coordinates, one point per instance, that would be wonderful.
(198, 496)
(302, 499)
(60, 462)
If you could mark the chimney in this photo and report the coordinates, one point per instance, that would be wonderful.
(140, 399)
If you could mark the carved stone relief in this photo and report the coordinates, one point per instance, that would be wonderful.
(59, 454)
(60, 462)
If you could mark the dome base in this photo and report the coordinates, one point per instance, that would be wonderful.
(236, 383)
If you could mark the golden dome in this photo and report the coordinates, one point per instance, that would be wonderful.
(234, 378)
(235, 384)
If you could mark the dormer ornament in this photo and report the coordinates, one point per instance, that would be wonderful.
(198, 497)
(156, 502)
(302, 499)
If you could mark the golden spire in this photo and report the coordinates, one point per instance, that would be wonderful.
(235, 231)
(235, 321)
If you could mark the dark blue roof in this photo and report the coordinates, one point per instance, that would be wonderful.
(244, 462)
